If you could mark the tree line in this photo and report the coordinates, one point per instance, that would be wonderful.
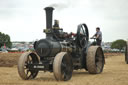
(5, 40)
(119, 44)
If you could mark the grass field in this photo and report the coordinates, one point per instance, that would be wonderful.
(115, 73)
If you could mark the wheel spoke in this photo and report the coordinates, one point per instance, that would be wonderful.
(25, 64)
(27, 72)
(63, 65)
(98, 68)
(65, 77)
(98, 65)
(25, 67)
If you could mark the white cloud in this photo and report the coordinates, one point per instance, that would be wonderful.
(24, 20)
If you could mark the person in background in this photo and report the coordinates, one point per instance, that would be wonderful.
(98, 36)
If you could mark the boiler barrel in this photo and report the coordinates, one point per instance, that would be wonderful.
(47, 48)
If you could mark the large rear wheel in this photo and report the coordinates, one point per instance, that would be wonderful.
(23, 69)
(95, 60)
(62, 66)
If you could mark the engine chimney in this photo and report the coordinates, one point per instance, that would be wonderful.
(49, 11)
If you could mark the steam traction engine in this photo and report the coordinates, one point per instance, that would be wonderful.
(61, 53)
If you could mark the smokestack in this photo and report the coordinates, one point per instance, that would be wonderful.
(49, 11)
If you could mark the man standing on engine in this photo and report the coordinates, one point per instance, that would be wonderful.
(98, 36)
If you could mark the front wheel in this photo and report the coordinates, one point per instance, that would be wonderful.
(23, 69)
(62, 66)
(95, 60)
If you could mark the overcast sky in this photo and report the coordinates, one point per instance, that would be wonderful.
(24, 20)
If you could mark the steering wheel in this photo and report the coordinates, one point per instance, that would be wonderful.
(82, 35)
